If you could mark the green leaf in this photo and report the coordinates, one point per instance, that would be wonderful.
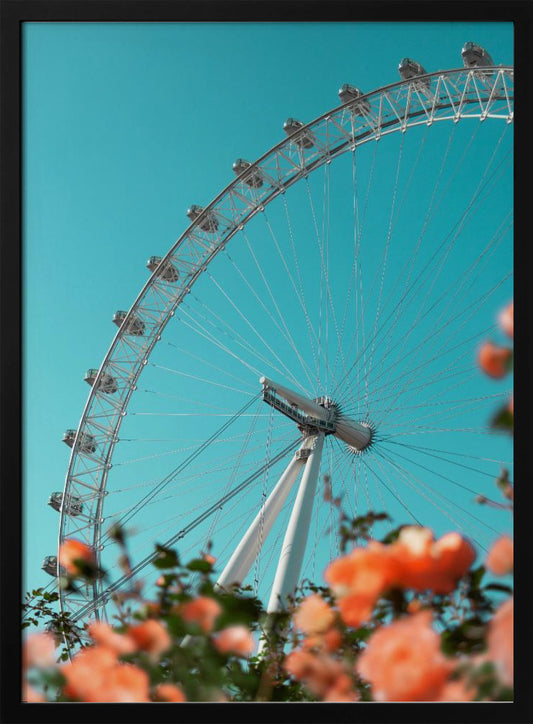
(392, 535)
(200, 565)
(503, 419)
(166, 557)
(475, 576)
(176, 626)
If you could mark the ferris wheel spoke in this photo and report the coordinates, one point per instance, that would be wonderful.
(437, 331)
(300, 294)
(457, 285)
(431, 453)
(256, 332)
(283, 328)
(480, 301)
(450, 412)
(383, 265)
(429, 405)
(326, 301)
(192, 446)
(410, 262)
(235, 338)
(407, 295)
(390, 489)
(207, 363)
(431, 495)
(415, 371)
(202, 379)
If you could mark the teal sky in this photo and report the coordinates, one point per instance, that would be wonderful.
(125, 125)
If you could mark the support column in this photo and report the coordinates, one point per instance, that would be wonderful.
(292, 552)
(248, 549)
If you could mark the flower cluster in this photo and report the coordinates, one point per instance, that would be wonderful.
(403, 660)
(407, 618)
(414, 561)
(372, 635)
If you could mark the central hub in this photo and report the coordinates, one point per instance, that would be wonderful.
(321, 415)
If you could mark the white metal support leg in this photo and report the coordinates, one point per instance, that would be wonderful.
(292, 552)
(248, 549)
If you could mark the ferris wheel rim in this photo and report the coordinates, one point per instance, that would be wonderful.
(398, 125)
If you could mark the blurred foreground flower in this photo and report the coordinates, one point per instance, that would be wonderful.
(202, 611)
(313, 615)
(39, 651)
(169, 692)
(500, 557)
(236, 640)
(415, 560)
(506, 320)
(77, 558)
(500, 642)
(495, 361)
(324, 676)
(96, 675)
(403, 661)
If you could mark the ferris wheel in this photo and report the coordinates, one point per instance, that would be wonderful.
(311, 336)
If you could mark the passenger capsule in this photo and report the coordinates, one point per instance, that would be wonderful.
(253, 177)
(410, 69)
(168, 271)
(50, 565)
(349, 93)
(86, 443)
(303, 139)
(207, 222)
(474, 56)
(134, 326)
(72, 505)
(106, 384)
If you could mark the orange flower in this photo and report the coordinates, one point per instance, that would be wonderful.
(500, 642)
(368, 571)
(457, 691)
(87, 671)
(506, 320)
(151, 609)
(500, 558)
(39, 651)
(319, 672)
(104, 634)
(356, 608)
(203, 611)
(332, 639)
(75, 556)
(124, 683)
(169, 692)
(455, 555)
(313, 615)
(427, 564)
(329, 641)
(494, 361)
(341, 690)
(95, 675)
(403, 661)
(150, 636)
(234, 640)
